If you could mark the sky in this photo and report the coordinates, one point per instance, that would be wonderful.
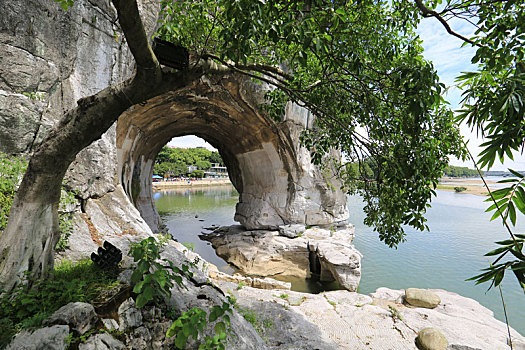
(450, 59)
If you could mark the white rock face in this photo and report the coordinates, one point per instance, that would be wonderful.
(356, 321)
(266, 253)
(47, 338)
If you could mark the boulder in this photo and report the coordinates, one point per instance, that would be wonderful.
(129, 315)
(324, 251)
(421, 298)
(80, 317)
(110, 324)
(292, 231)
(356, 321)
(102, 341)
(47, 338)
(431, 339)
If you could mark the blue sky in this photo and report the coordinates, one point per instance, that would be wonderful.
(449, 58)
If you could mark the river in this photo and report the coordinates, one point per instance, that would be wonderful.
(460, 233)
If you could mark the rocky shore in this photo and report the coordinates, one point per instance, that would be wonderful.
(278, 318)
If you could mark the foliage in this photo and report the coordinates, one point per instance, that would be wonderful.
(505, 202)
(354, 64)
(460, 189)
(65, 218)
(493, 104)
(70, 282)
(199, 174)
(11, 171)
(203, 164)
(193, 322)
(260, 325)
(459, 171)
(175, 161)
(494, 95)
(153, 279)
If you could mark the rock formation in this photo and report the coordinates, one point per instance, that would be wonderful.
(324, 252)
(62, 56)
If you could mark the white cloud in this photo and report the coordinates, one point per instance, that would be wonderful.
(190, 142)
(450, 59)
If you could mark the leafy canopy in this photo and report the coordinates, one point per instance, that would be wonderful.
(357, 66)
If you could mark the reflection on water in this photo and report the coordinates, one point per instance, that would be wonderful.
(188, 211)
(460, 234)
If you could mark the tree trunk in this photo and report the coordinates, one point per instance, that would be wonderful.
(32, 232)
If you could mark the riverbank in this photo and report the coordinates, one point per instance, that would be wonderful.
(159, 185)
(472, 186)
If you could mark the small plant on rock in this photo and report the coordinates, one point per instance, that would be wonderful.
(154, 279)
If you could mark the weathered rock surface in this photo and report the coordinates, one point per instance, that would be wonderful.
(421, 298)
(47, 338)
(80, 317)
(267, 253)
(101, 342)
(355, 321)
(273, 174)
(431, 339)
(129, 315)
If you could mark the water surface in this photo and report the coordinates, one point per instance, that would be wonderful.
(460, 233)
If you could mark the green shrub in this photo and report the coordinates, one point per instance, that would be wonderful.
(460, 189)
(11, 171)
(69, 282)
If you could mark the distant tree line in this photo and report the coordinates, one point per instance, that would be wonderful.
(459, 171)
(367, 170)
(174, 162)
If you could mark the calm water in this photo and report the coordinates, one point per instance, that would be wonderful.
(460, 233)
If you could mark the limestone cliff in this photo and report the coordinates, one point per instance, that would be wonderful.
(50, 58)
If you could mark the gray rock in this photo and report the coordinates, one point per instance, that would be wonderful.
(266, 253)
(129, 315)
(125, 276)
(19, 121)
(431, 339)
(48, 338)
(80, 317)
(421, 298)
(110, 323)
(102, 341)
(292, 231)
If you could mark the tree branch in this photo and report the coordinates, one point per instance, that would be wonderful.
(430, 13)
(131, 24)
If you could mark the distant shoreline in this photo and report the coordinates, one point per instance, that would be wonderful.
(159, 185)
(475, 185)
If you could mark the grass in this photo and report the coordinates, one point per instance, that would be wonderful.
(69, 282)
(260, 325)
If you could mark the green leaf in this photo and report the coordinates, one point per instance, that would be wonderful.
(515, 173)
(220, 327)
(180, 340)
(497, 251)
(136, 276)
(141, 300)
(512, 213)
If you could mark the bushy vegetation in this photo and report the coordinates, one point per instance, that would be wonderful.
(459, 171)
(175, 161)
(12, 170)
(70, 282)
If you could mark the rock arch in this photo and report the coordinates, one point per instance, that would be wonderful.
(272, 173)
